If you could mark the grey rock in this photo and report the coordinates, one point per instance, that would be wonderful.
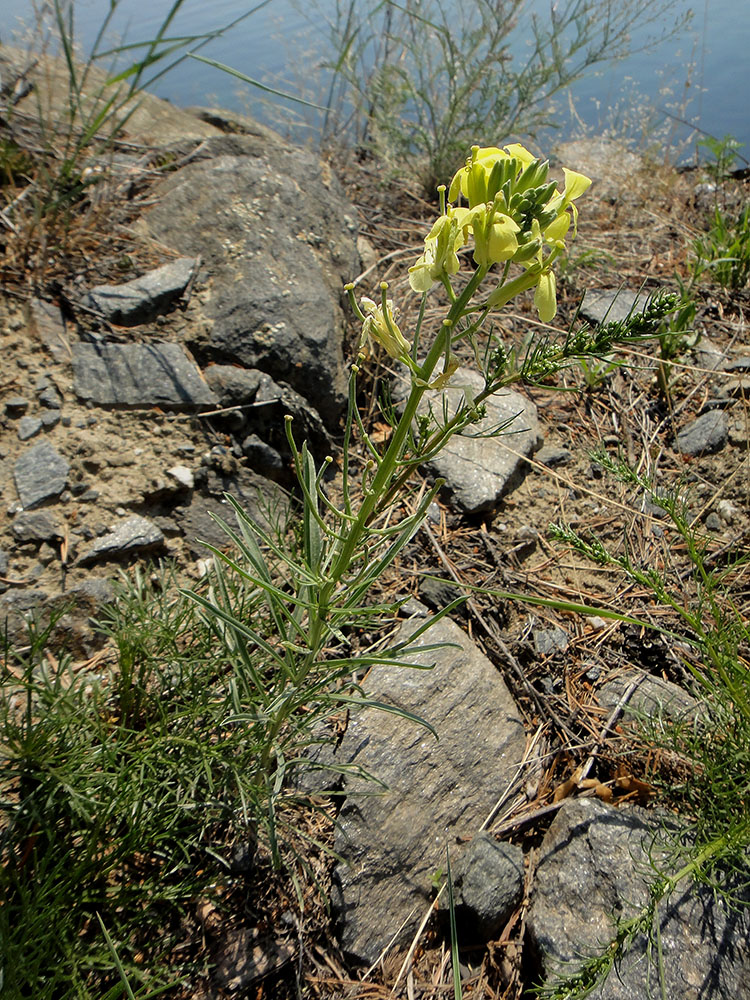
(708, 355)
(182, 475)
(736, 388)
(612, 305)
(727, 511)
(75, 614)
(393, 842)
(233, 386)
(594, 867)
(488, 881)
(144, 298)
(551, 456)
(737, 364)
(16, 406)
(479, 471)
(139, 375)
(713, 522)
(50, 398)
(550, 640)
(18, 608)
(705, 435)
(40, 474)
(260, 455)
(438, 594)
(35, 526)
(135, 534)
(739, 431)
(261, 500)
(69, 617)
(50, 419)
(280, 241)
(46, 323)
(652, 699)
(29, 427)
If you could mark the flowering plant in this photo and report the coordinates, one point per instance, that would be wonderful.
(503, 209)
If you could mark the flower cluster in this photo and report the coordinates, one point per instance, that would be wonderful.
(513, 214)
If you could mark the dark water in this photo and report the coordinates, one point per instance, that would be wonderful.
(702, 76)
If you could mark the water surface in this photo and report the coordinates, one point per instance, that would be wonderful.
(702, 76)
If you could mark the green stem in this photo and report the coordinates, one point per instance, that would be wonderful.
(379, 488)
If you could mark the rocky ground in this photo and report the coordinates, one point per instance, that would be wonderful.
(146, 378)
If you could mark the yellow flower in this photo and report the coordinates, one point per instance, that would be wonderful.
(575, 185)
(502, 242)
(471, 180)
(439, 257)
(545, 298)
(380, 327)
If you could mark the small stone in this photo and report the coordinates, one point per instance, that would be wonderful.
(29, 427)
(488, 885)
(737, 365)
(50, 398)
(35, 526)
(136, 534)
(439, 594)
(654, 697)
(183, 475)
(261, 456)
(478, 470)
(16, 406)
(705, 435)
(708, 355)
(596, 865)
(233, 386)
(46, 554)
(141, 300)
(727, 511)
(612, 305)
(203, 567)
(552, 457)
(713, 522)
(739, 432)
(143, 375)
(50, 419)
(736, 388)
(550, 640)
(596, 623)
(40, 474)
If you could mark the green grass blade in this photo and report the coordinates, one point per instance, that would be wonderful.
(255, 83)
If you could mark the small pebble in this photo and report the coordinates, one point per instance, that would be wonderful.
(16, 406)
(28, 427)
(183, 475)
(727, 511)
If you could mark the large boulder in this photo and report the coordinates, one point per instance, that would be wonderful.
(596, 864)
(278, 239)
(393, 841)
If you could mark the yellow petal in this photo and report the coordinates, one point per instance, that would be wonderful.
(545, 297)
(491, 153)
(502, 243)
(521, 153)
(420, 278)
(575, 184)
(555, 231)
